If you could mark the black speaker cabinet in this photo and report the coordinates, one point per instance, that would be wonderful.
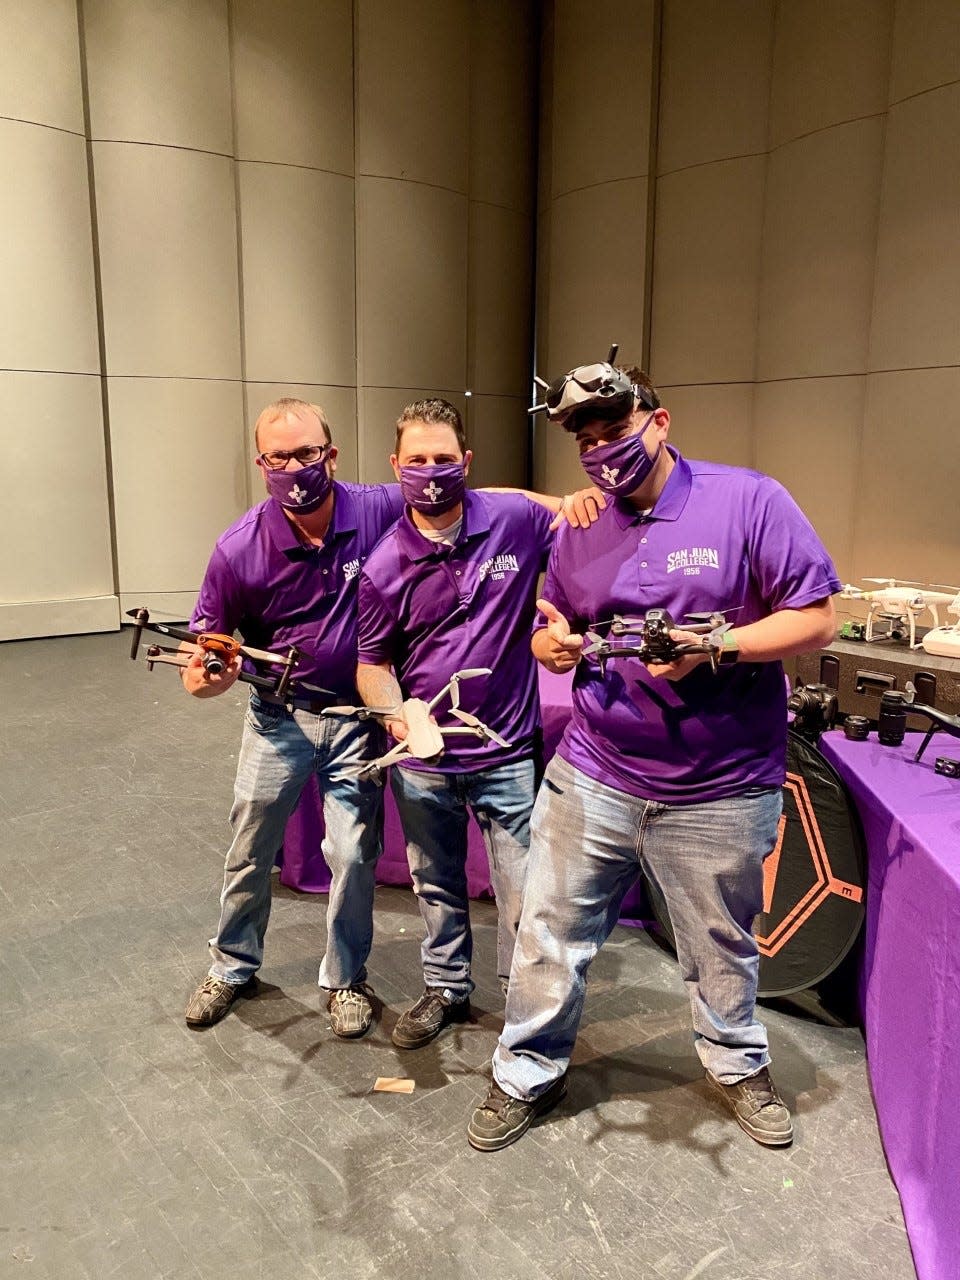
(861, 672)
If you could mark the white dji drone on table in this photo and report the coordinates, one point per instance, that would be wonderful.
(424, 740)
(898, 602)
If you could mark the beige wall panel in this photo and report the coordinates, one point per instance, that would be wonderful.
(808, 435)
(380, 407)
(168, 255)
(48, 314)
(706, 272)
(926, 46)
(601, 91)
(715, 422)
(819, 252)
(830, 63)
(597, 274)
(714, 81)
(916, 317)
(159, 71)
(906, 515)
(542, 286)
(338, 403)
(178, 477)
(54, 524)
(40, 63)
(544, 141)
(503, 82)
(293, 82)
(412, 285)
(497, 431)
(413, 78)
(557, 466)
(500, 293)
(59, 617)
(299, 279)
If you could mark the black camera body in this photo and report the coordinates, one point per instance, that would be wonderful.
(814, 708)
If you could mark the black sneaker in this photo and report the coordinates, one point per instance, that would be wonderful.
(213, 998)
(501, 1119)
(424, 1022)
(758, 1108)
(351, 1012)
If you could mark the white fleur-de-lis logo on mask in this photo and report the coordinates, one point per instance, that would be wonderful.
(297, 494)
(610, 473)
(433, 491)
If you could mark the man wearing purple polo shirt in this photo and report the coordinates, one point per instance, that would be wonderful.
(672, 767)
(287, 573)
(453, 586)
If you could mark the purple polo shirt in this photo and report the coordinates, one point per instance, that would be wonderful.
(263, 582)
(432, 610)
(718, 538)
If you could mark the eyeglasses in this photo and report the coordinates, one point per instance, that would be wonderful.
(277, 459)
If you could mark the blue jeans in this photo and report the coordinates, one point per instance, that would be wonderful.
(278, 752)
(588, 844)
(433, 810)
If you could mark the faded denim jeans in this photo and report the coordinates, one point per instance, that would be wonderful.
(278, 753)
(588, 845)
(433, 810)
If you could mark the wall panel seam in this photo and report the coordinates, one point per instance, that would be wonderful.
(163, 146)
(415, 182)
(604, 182)
(289, 164)
(947, 84)
(41, 124)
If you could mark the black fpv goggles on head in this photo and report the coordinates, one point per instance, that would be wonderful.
(602, 388)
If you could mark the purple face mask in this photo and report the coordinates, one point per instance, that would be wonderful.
(620, 466)
(433, 490)
(300, 491)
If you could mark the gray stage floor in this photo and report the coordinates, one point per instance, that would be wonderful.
(133, 1147)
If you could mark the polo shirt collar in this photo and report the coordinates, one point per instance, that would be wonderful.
(416, 547)
(284, 535)
(670, 504)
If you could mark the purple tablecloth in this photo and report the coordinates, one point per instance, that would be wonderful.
(302, 865)
(910, 981)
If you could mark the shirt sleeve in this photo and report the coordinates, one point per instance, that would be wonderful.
(542, 518)
(553, 591)
(376, 625)
(789, 563)
(219, 607)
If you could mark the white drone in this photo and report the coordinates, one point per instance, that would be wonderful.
(944, 642)
(897, 601)
(424, 740)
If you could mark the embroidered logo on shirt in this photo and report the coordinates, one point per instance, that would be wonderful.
(350, 570)
(498, 566)
(297, 494)
(691, 560)
(433, 491)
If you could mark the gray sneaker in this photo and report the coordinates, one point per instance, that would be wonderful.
(758, 1108)
(213, 998)
(425, 1020)
(501, 1119)
(350, 1010)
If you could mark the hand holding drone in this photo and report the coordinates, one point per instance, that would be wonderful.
(424, 740)
(656, 645)
(218, 653)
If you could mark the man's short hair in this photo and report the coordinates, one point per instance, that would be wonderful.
(591, 412)
(299, 409)
(435, 411)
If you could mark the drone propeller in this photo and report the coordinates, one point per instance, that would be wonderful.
(894, 582)
(362, 713)
(483, 730)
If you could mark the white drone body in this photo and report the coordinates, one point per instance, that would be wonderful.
(424, 740)
(906, 601)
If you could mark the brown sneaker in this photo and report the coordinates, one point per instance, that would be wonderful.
(213, 998)
(424, 1021)
(758, 1108)
(350, 1010)
(501, 1119)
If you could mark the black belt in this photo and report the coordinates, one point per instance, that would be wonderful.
(313, 705)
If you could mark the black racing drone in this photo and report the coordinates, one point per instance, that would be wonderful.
(218, 652)
(655, 643)
(939, 719)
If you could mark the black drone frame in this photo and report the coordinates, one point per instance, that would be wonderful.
(655, 643)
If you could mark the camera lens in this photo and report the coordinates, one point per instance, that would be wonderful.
(857, 728)
(892, 721)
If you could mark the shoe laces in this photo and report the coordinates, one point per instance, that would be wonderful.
(497, 1101)
(353, 997)
(762, 1090)
(428, 1002)
(211, 985)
